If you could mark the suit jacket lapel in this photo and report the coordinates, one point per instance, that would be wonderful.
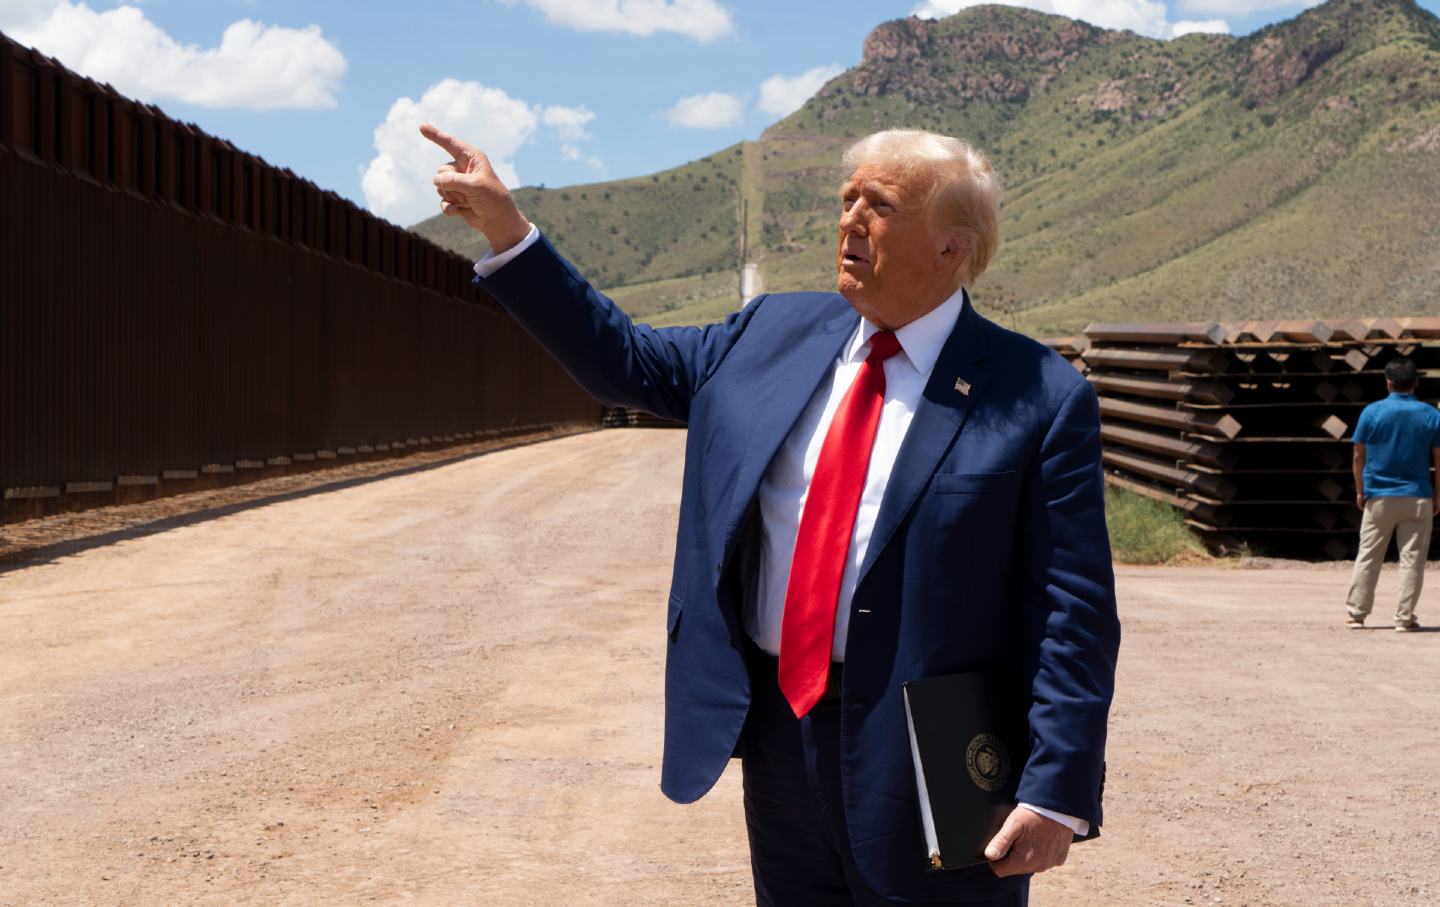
(938, 418)
(779, 405)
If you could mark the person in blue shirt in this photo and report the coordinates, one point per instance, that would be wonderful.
(1396, 441)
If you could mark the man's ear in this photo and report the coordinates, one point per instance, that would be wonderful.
(953, 254)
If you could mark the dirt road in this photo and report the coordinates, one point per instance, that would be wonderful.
(444, 688)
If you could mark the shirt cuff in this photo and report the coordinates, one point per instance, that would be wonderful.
(1079, 826)
(492, 262)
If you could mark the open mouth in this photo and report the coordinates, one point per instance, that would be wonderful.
(850, 258)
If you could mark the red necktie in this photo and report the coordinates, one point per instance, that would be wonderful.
(807, 630)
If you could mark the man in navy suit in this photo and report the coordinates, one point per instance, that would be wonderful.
(880, 486)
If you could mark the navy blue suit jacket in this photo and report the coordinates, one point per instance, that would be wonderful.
(990, 542)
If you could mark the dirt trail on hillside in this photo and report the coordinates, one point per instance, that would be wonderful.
(444, 687)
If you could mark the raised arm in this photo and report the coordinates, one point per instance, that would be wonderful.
(617, 361)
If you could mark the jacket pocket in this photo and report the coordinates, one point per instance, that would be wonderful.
(973, 482)
(672, 619)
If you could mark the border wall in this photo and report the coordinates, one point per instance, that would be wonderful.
(176, 312)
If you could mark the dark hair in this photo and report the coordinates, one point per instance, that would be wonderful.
(1402, 375)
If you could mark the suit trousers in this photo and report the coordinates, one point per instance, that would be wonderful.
(1409, 520)
(799, 845)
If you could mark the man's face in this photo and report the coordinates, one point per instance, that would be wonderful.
(889, 257)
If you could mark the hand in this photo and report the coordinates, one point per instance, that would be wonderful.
(1028, 842)
(469, 189)
(1360, 499)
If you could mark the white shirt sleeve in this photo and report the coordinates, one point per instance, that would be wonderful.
(492, 262)
(1079, 826)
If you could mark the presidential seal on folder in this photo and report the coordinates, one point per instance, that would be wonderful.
(970, 740)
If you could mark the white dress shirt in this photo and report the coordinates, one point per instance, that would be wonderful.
(786, 481)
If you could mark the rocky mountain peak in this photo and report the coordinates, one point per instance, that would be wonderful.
(1280, 58)
(978, 34)
(994, 53)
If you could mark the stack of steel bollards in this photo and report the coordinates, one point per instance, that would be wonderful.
(1245, 426)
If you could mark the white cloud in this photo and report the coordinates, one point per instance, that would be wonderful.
(574, 153)
(1145, 17)
(568, 122)
(15, 14)
(1206, 27)
(397, 183)
(783, 95)
(1239, 7)
(715, 110)
(256, 66)
(702, 20)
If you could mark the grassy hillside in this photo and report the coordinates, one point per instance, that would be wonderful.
(1289, 173)
(681, 300)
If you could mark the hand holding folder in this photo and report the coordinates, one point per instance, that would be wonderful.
(970, 742)
(1027, 843)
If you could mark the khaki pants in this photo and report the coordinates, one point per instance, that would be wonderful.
(1409, 520)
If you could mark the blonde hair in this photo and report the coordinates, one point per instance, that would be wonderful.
(964, 196)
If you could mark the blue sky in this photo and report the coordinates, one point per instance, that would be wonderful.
(561, 91)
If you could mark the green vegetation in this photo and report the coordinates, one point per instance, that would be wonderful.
(681, 300)
(1289, 173)
(1143, 531)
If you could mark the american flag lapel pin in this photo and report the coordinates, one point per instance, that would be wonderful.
(962, 386)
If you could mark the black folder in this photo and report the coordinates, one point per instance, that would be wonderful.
(970, 740)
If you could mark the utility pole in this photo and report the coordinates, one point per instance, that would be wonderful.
(744, 242)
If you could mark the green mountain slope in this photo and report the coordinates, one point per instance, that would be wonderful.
(1293, 172)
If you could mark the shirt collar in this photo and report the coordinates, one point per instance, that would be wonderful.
(921, 340)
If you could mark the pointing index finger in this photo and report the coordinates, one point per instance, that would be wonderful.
(456, 148)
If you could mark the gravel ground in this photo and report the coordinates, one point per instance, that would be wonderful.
(443, 687)
(60, 533)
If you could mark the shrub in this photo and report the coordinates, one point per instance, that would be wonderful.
(1144, 531)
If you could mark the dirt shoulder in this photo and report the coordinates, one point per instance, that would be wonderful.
(444, 687)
